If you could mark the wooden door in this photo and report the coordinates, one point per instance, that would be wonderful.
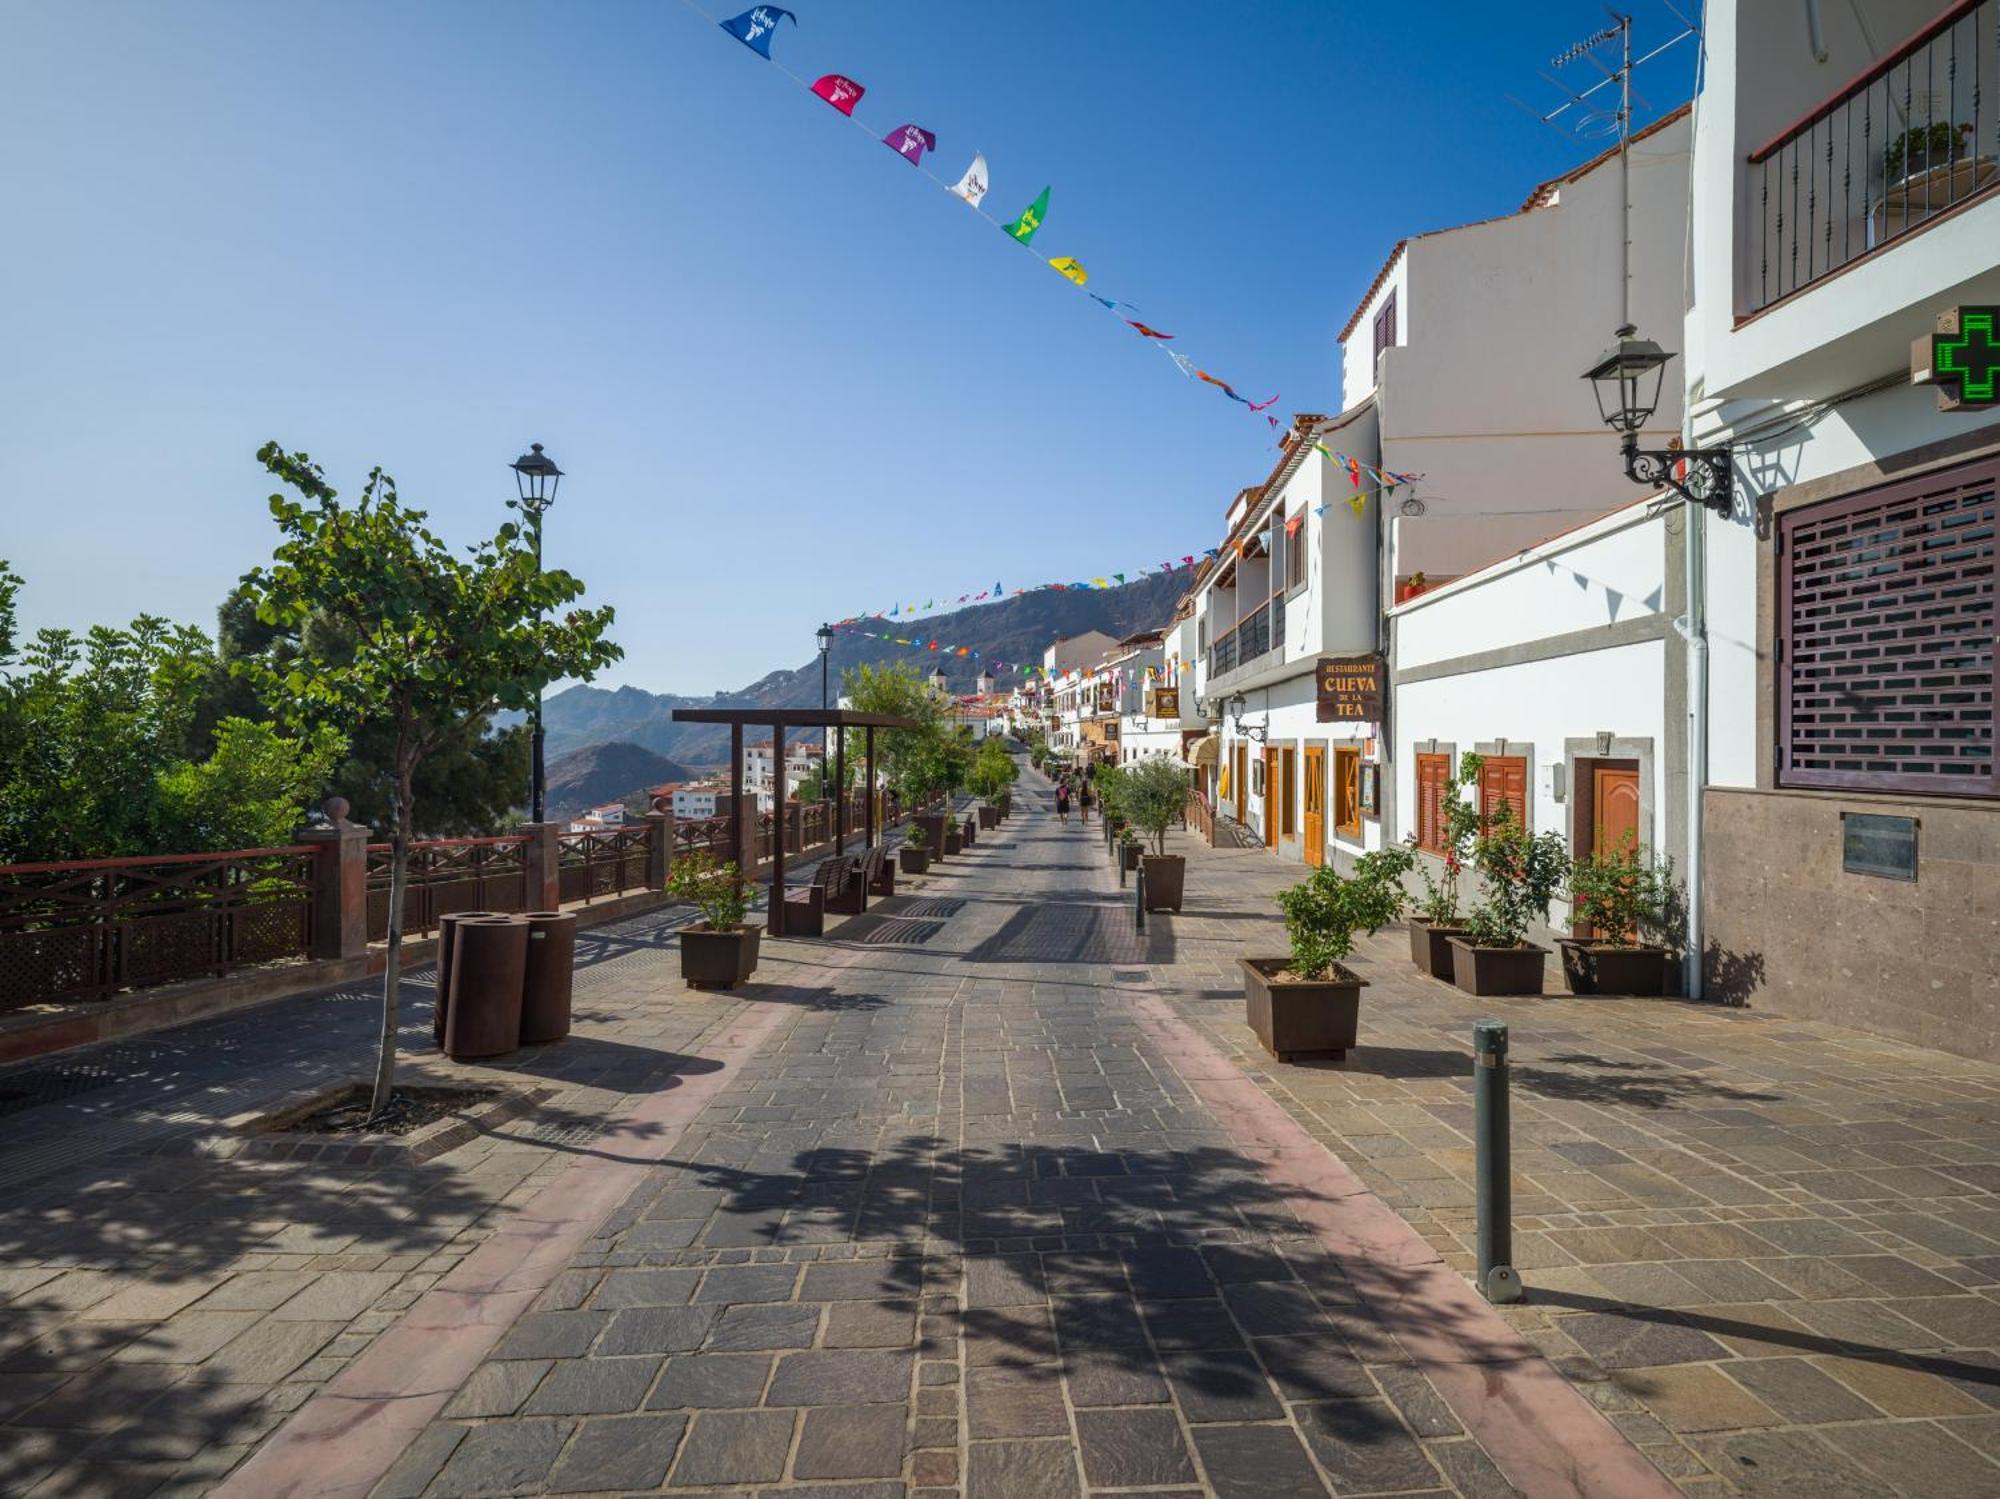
(1288, 792)
(1270, 798)
(1614, 807)
(1242, 780)
(1315, 811)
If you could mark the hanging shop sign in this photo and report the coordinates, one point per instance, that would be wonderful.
(1962, 359)
(1350, 689)
(1164, 702)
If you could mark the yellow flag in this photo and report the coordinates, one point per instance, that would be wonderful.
(1101, 582)
(1064, 266)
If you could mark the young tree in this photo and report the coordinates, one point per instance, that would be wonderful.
(420, 642)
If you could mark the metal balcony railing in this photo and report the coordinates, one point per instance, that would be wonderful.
(1915, 136)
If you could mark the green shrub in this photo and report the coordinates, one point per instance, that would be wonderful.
(1522, 874)
(712, 887)
(1152, 796)
(1323, 913)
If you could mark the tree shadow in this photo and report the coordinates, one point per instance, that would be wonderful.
(1639, 1085)
(1731, 978)
(1398, 1062)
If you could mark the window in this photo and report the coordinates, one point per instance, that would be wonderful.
(1886, 626)
(1295, 552)
(1504, 778)
(1433, 779)
(1385, 325)
(1347, 791)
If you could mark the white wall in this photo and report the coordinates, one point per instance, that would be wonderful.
(1357, 354)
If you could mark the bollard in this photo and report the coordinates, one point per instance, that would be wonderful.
(1498, 1281)
(1138, 896)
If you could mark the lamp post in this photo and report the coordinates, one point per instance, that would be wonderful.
(1626, 381)
(536, 477)
(1258, 732)
(826, 730)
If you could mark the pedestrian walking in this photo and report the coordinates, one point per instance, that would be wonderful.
(1062, 802)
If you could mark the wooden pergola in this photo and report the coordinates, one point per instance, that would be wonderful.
(779, 720)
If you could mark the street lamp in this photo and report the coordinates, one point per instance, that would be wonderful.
(1626, 381)
(1258, 732)
(536, 477)
(826, 730)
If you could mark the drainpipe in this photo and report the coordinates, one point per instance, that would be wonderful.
(1696, 535)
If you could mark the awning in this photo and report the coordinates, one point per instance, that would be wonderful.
(1204, 750)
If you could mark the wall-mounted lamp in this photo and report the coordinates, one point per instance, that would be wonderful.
(1257, 732)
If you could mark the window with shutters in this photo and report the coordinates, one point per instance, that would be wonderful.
(1886, 636)
(1295, 552)
(1433, 776)
(1504, 778)
(1347, 791)
(1385, 325)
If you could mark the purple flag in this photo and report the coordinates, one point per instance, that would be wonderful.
(910, 142)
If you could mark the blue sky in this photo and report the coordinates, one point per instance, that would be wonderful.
(788, 377)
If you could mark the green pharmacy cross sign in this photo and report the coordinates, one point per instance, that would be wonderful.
(1965, 358)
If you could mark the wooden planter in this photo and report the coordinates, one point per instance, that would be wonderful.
(913, 860)
(718, 959)
(1497, 970)
(1129, 855)
(1601, 968)
(1166, 877)
(954, 840)
(1430, 947)
(933, 826)
(1297, 1021)
(989, 818)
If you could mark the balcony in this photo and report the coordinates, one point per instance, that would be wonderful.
(1256, 636)
(1913, 139)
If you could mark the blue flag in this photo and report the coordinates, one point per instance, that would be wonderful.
(756, 26)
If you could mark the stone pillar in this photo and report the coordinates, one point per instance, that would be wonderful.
(659, 848)
(747, 816)
(340, 883)
(544, 865)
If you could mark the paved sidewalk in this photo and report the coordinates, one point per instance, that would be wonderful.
(1769, 1248)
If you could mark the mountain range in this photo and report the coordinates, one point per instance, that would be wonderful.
(606, 772)
(1014, 629)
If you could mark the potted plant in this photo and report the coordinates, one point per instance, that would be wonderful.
(1152, 794)
(719, 951)
(1623, 897)
(914, 857)
(954, 836)
(1439, 919)
(1923, 147)
(1522, 873)
(1308, 1004)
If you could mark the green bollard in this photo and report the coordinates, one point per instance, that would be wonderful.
(1498, 1281)
(1139, 897)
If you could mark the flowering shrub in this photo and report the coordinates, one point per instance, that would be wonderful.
(1522, 874)
(1622, 893)
(715, 889)
(1439, 902)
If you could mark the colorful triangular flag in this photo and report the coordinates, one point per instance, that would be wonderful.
(841, 92)
(972, 186)
(756, 26)
(1030, 220)
(910, 142)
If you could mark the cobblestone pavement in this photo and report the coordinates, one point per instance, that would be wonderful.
(991, 1195)
(1768, 1248)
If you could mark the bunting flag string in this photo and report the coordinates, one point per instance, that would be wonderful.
(757, 28)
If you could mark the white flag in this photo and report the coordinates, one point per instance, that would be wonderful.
(972, 186)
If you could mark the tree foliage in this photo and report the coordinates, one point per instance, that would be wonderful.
(377, 625)
(1152, 795)
(1521, 873)
(1324, 911)
(932, 757)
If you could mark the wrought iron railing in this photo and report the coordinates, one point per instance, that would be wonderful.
(603, 861)
(89, 929)
(1915, 136)
(446, 875)
(1254, 636)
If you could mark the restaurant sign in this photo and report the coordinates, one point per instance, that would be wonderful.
(1350, 689)
(1164, 702)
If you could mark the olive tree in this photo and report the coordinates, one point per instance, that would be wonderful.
(427, 646)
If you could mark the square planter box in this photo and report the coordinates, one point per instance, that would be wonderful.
(1497, 970)
(933, 826)
(1297, 1021)
(989, 818)
(718, 960)
(1596, 968)
(1166, 877)
(954, 840)
(1129, 855)
(1430, 947)
(913, 860)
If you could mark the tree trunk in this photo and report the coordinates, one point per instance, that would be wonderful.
(399, 863)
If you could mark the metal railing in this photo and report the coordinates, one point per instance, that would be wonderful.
(1255, 635)
(86, 930)
(446, 875)
(1913, 137)
(600, 862)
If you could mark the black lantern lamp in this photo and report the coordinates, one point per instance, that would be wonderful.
(536, 477)
(1258, 732)
(1626, 381)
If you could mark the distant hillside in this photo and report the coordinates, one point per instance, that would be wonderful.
(1015, 629)
(601, 773)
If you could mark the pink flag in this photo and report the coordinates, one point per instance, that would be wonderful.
(841, 92)
(910, 142)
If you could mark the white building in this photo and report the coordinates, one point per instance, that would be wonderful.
(1847, 194)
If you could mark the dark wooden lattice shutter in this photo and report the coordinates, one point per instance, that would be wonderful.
(1886, 633)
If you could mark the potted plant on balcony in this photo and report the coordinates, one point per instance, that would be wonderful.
(1522, 873)
(1922, 147)
(1623, 896)
(719, 951)
(1439, 919)
(1153, 793)
(914, 857)
(1308, 1004)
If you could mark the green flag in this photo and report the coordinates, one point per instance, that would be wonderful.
(1030, 220)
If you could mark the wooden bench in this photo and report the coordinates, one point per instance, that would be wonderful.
(806, 905)
(853, 899)
(883, 881)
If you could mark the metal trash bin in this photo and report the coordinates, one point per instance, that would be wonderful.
(546, 988)
(489, 960)
(440, 1005)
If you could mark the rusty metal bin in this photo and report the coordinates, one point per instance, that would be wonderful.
(440, 1005)
(551, 961)
(489, 960)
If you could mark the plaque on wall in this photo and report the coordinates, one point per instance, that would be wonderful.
(1349, 689)
(1874, 844)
